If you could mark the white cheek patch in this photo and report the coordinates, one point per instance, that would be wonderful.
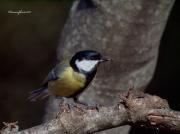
(86, 65)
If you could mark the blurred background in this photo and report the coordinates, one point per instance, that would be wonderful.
(28, 52)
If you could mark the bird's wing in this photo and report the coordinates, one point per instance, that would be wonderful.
(42, 92)
(56, 72)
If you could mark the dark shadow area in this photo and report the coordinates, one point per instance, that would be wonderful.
(27, 52)
(166, 78)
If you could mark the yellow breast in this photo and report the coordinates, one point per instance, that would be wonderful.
(69, 82)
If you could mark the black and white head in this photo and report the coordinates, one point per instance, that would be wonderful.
(86, 61)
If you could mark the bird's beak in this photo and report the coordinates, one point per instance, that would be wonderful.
(103, 59)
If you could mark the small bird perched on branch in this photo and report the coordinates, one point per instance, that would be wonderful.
(70, 78)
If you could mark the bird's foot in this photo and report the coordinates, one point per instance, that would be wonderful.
(89, 106)
(68, 104)
(65, 105)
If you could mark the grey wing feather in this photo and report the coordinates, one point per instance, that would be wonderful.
(55, 72)
(53, 75)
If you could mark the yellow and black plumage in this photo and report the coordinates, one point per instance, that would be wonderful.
(70, 78)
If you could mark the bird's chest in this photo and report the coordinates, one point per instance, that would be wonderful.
(69, 82)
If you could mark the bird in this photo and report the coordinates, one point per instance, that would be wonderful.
(70, 78)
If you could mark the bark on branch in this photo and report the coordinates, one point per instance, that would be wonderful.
(133, 108)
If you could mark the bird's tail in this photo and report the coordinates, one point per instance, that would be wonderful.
(40, 93)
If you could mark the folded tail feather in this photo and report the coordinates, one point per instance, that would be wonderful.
(40, 93)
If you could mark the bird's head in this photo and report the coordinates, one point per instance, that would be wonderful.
(86, 61)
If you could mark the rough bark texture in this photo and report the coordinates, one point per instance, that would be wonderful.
(127, 31)
(133, 109)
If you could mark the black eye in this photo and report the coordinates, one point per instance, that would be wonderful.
(95, 57)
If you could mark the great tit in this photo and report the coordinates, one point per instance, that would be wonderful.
(70, 78)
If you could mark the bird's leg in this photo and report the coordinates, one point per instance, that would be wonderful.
(65, 104)
(68, 101)
(87, 105)
(94, 106)
(76, 99)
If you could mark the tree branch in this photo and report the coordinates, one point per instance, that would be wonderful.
(134, 108)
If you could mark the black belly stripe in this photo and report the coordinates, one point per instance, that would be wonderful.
(89, 78)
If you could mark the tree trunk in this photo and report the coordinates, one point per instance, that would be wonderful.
(127, 31)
